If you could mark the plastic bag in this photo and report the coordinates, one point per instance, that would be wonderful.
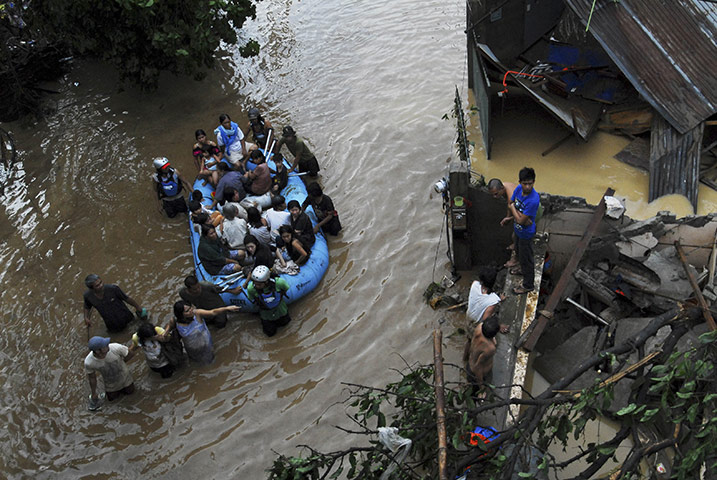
(393, 441)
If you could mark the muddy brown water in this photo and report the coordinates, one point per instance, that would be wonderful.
(367, 85)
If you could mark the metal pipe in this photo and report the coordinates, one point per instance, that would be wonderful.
(586, 311)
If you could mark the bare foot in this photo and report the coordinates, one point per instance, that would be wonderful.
(504, 328)
(513, 262)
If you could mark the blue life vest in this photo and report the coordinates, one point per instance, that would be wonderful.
(269, 300)
(171, 185)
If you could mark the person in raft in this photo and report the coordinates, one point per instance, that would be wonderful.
(170, 185)
(303, 158)
(215, 257)
(206, 155)
(109, 300)
(301, 223)
(324, 210)
(258, 127)
(268, 294)
(230, 140)
(190, 324)
(523, 207)
(110, 361)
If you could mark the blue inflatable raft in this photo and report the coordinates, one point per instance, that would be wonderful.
(300, 285)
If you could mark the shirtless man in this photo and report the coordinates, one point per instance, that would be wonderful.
(480, 350)
(505, 190)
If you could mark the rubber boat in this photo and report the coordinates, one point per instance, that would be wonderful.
(300, 285)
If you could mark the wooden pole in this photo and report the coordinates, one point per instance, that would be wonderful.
(698, 293)
(440, 404)
(528, 339)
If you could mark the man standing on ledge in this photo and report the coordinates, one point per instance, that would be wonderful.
(523, 208)
(109, 300)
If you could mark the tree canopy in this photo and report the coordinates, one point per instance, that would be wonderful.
(143, 37)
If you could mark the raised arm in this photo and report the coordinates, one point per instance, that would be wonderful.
(210, 313)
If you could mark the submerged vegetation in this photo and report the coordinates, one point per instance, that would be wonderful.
(672, 396)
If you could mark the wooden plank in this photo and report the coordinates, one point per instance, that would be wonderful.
(698, 293)
(530, 336)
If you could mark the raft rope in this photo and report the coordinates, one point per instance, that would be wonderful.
(505, 79)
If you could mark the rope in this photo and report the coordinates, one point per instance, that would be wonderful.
(505, 78)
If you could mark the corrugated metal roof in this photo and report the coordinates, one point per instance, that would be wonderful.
(666, 48)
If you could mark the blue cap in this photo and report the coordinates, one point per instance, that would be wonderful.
(98, 343)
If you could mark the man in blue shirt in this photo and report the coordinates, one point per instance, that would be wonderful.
(524, 207)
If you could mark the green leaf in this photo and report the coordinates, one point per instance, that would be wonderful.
(183, 52)
(525, 475)
(606, 449)
(456, 440)
(381, 420)
(627, 410)
(649, 414)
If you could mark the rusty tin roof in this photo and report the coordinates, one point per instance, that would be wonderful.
(666, 48)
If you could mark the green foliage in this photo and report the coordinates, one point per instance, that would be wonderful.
(143, 37)
(678, 392)
(408, 405)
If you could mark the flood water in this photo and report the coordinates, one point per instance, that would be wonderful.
(366, 83)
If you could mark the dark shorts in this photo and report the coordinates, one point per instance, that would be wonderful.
(310, 165)
(166, 371)
(129, 389)
(173, 207)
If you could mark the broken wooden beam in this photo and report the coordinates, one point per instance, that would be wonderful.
(440, 404)
(531, 334)
(698, 293)
(595, 288)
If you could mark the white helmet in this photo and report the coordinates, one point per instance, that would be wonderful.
(160, 163)
(261, 273)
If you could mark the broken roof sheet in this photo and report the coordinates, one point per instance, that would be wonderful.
(666, 48)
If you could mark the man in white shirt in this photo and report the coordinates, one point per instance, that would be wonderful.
(482, 301)
(277, 216)
(110, 360)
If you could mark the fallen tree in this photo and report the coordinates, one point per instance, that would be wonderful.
(673, 396)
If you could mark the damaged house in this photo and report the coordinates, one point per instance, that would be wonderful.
(641, 68)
